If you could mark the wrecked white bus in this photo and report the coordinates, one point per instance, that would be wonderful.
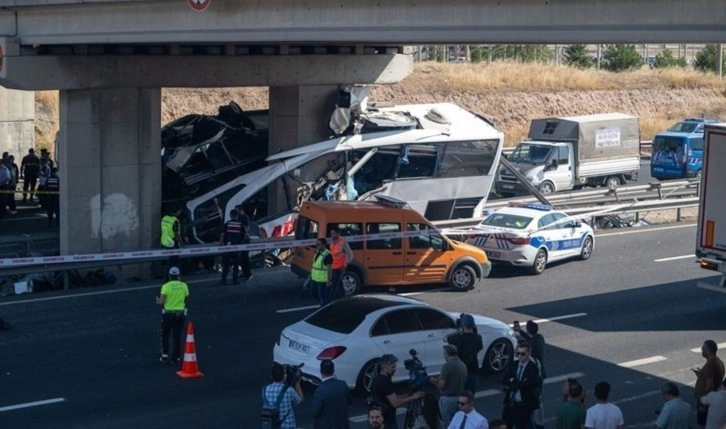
(439, 158)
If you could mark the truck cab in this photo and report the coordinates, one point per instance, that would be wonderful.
(547, 166)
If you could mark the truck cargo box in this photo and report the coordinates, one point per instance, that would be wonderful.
(598, 137)
(711, 239)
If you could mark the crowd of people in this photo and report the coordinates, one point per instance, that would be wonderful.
(40, 183)
(447, 401)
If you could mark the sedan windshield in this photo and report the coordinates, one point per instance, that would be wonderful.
(530, 153)
(685, 127)
(504, 220)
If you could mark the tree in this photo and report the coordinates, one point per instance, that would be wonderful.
(477, 54)
(666, 59)
(706, 59)
(577, 56)
(621, 57)
(522, 53)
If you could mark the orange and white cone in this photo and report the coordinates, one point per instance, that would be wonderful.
(190, 369)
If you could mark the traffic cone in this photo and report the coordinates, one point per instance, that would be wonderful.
(190, 369)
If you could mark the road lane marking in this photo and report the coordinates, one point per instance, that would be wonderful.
(638, 231)
(556, 318)
(637, 397)
(719, 345)
(563, 377)
(644, 361)
(485, 393)
(290, 310)
(673, 258)
(31, 404)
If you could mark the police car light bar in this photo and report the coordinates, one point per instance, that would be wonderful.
(533, 206)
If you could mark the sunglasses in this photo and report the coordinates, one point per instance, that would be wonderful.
(461, 404)
(521, 354)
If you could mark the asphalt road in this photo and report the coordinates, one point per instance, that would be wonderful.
(88, 358)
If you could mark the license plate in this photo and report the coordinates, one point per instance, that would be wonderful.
(507, 186)
(491, 254)
(299, 347)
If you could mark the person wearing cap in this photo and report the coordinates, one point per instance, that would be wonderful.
(469, 343)
(172, 299)
(451, 382)
(384, 394)
(29, 169)
(331, 400)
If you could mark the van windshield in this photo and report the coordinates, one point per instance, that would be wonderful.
(530, 153)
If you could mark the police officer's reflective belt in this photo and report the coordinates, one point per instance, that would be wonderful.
(175, 312)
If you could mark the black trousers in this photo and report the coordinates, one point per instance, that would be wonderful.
(335, 291)
(52, 206)
(29, 182)
(245, 261)
(231, 259)
(172, 324)
(517, 416)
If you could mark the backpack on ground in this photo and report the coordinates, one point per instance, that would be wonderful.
(270, 414)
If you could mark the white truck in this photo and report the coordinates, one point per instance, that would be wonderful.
(711, 235)
(570, 152)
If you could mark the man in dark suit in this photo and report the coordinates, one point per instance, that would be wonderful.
(331, 400)
(522, 386)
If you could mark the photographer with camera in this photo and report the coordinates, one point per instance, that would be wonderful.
(468, 342)
(451, 382)
(278, 400)
(384, 395)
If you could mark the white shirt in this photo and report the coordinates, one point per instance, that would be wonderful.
(716, 417)
(604, 416)
(474, 420)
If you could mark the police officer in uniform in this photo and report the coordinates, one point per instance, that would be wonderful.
(170, 236)
(172, 300)
(52, 200)
(232, 234)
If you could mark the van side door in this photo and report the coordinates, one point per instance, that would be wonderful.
(426, 258)
(384, 255)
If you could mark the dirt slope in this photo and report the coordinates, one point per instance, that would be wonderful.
(510, 94)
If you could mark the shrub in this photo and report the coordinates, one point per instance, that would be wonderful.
(621, 57)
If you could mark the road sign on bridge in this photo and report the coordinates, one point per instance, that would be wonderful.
(199, 5)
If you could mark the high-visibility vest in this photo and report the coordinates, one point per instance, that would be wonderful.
(167, 231)
(320, 272)
(337, 248)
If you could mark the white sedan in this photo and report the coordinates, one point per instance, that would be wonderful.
(532, 235)
(354, 332)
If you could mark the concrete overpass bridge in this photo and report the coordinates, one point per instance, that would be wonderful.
(110, 59)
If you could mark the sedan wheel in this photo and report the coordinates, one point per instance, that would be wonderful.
(366, 376)
(587, 246)
(540, 262)
(463, 278)
(498, 356)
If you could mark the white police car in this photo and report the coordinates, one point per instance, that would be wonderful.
(532, 235)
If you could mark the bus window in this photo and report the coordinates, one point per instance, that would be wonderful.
(462, 159)
(697, 144)
(673, 144)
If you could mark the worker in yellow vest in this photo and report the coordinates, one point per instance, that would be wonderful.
(170, 235)
(342, 256)
(320, 274)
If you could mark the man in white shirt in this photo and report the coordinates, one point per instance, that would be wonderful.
(716, 402)
(603, 415)
(467, 417)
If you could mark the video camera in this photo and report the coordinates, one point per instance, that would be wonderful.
(293, 373)
(416, 371)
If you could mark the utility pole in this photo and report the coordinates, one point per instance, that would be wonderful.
(599, 54)
(719, 60)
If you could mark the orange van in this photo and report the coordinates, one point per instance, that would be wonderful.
(395, 261)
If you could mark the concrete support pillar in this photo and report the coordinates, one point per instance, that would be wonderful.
(111, 171)
(299, 116)
(17, 122)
